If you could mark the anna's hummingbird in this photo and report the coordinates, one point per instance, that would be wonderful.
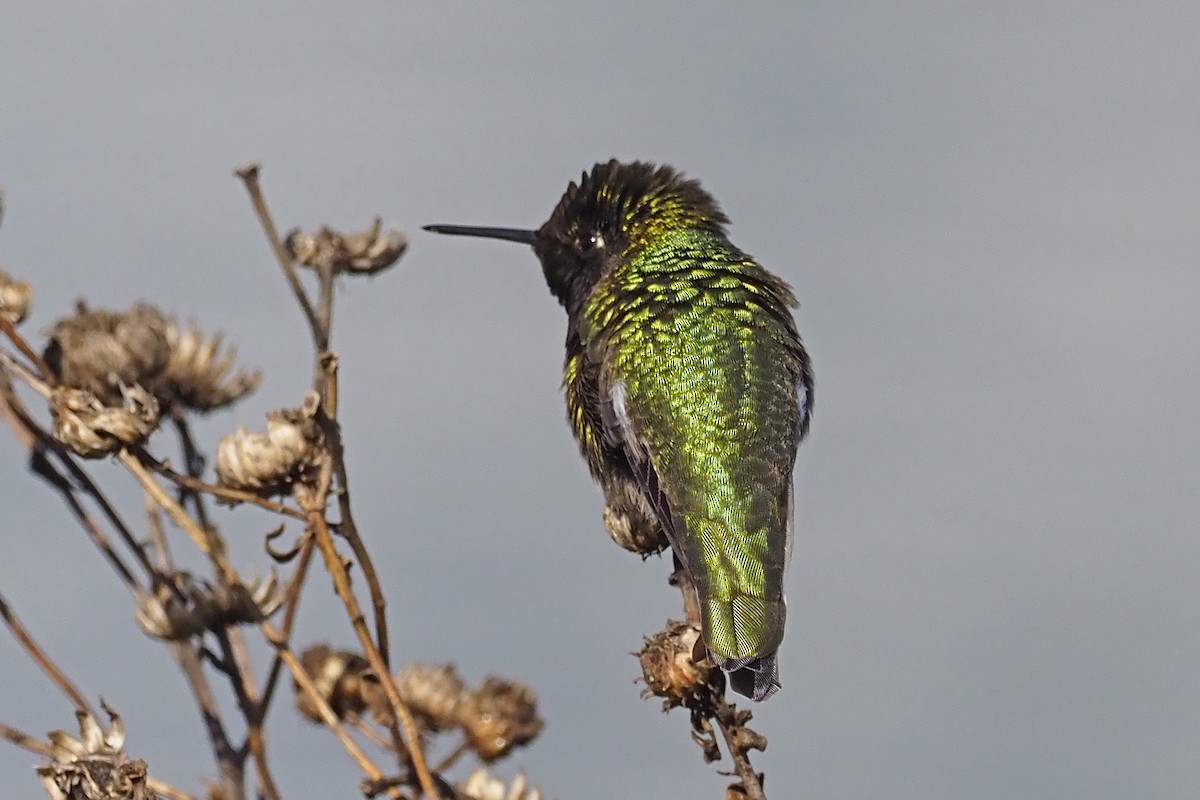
(688, 390)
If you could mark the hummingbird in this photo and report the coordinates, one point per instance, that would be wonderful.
(688, 390)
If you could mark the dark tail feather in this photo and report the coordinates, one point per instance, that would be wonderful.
(756, 678)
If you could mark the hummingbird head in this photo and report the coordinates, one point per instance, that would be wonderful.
(614, 211)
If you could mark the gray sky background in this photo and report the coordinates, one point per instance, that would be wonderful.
(989, 214)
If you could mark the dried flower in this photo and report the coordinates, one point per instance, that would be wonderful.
(434, 693)
(189, 607)
(270, 463)
(636, 533)
(340, 677)
(15, 297)
(100, 350)
(363, 253)
(482, 785)
(93, 767)
(92, 429)
(198, 375)
(669, 669)
(499, 716)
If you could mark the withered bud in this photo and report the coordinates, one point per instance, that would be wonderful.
(198, 375)
(669, 669)
(100, 350)
(189, 607)
(499, 716)
(434, 693)
(15, 298)
(340, 677)
(269, 463)
(636, 533)
(482, 785)
(92, 429)
(93, 766)
(362, 253)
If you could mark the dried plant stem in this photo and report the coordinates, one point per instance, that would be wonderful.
(226, 493)
(19, 342)
(291, 605)
(341, 582)
(249, 176)
(276, 638)
(230, 762)
(57, 676)
(320, 326)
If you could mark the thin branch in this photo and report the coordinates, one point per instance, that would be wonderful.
(291, 605)
(226, 493)
(57, 676)
(249, 176)
(341, 583)
(18, 340)
(276, 638)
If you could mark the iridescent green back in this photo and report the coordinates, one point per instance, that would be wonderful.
(697, 342)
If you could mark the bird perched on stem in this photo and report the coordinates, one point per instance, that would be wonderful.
(688, 390)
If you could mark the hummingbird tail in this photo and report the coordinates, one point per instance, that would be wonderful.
(756, 678)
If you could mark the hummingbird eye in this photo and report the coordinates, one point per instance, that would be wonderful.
(592, 240)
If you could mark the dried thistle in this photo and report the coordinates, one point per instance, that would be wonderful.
(197, 375)
(670, 669)
(638, 534)
(499, 716)
(364, 253)
(434, 693)
(15, 298)
(100, 350)
(482, 785)
(93, 767)
(342, 678)
(93, 429)
(189, 607)
(270, 463)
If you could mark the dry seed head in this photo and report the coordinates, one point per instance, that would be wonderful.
(198, 375)
(100, 350)
(362, 253)
(269, 463)
(670, 671)
(92, 429)
(189, 607)
(340, 677)
(499, 716)
(15, 298)
(482, 785)
(93, 766)
(434, 693)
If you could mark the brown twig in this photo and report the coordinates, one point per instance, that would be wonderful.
(18, 340)
(291, 605)
(249, 176)
(226, 493)
(341, 583)
(276, 638)
(230, 763)
(56, 675)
